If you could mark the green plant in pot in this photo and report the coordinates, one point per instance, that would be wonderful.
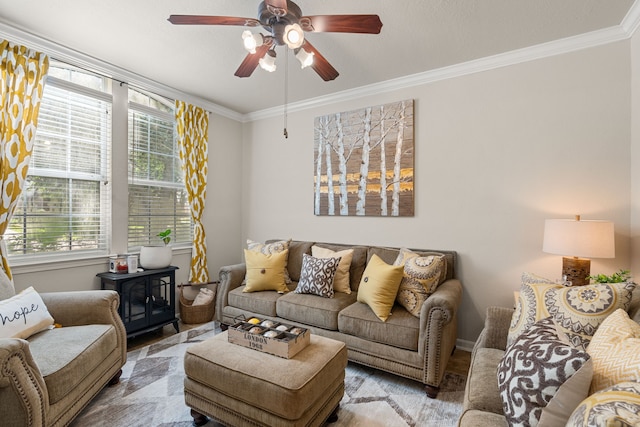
(157, 256)
(618, 277)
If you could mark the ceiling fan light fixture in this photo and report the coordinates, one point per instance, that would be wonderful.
(268, 62)
(305, 58)
(293, 36)
(252, 41)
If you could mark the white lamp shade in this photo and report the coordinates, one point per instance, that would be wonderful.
(578, 238)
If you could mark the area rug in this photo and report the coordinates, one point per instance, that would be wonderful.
(150, 393)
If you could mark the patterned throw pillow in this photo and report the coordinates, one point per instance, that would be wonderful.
(317, 276)
(421, 277)
(271, 248)
(615, 350)
(341, 280)
(530, 306)
(541, 378)
(618, 405)
(579, 310)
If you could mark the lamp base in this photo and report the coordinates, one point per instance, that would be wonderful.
(576, 270)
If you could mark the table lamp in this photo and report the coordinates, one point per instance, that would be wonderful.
(578, 241)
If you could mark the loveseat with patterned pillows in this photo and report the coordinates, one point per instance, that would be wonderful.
(566, 356)
(394, 308)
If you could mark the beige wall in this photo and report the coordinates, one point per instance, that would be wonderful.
(497, 153)
(635, 154)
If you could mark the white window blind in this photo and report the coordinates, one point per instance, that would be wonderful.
(65, 203)
(157, 196)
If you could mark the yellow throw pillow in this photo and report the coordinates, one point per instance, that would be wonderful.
(341, 278)
(271, 248)
(615, 351)
(379, 286)
(265, 272)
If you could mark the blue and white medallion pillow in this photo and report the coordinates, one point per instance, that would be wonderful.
(316, 276)
(542, 378)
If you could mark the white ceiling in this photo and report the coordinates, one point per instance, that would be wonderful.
(417, 36)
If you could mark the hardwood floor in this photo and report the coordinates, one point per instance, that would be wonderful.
(458, 363)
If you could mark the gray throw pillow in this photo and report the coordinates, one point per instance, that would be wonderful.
(316, 276)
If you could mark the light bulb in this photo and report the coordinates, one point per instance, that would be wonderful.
(251, 41)
(268, 62)
(305, 58)
(293, 36)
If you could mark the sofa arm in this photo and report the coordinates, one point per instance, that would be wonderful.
(78, 308)
(23, 393)
(439, 331)
(496, 328)
(230, 276)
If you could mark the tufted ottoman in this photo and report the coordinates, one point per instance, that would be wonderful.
(238, 386)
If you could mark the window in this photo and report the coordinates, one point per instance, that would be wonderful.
(157, 196)
(64, 206)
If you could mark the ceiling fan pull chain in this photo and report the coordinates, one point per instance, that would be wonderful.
(286, 91)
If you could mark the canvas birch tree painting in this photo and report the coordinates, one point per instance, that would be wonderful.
(364, 161)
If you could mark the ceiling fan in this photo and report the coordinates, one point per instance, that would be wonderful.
(286, 25)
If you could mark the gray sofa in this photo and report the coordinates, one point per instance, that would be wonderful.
(482, 402)
(416, 348)
(47, 379)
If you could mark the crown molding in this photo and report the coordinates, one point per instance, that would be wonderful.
(81, 60)
(544, 50)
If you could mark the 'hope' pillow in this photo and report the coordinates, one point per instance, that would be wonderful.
(23, 315)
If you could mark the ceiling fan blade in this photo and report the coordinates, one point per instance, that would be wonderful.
(320, 64)
(251, 61)
(277, 7)
(212, 20)
(367, 24)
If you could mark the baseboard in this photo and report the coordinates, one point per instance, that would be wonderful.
(465, 345)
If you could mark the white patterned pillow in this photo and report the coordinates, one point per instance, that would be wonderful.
(615, 350)
(618, 405)
(316, 276)
(579, 310)
(421, 277)
(271, 248)
(541, 378)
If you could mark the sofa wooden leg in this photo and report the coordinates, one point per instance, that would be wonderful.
(454, 350)
(116, 379)
(431, 391)
(224, 327)
(334, 416)
(198, 418)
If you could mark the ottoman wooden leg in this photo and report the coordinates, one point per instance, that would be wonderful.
(198, 418)
(334, 416)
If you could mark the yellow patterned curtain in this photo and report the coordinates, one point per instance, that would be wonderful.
(23, 71)
(192, 124)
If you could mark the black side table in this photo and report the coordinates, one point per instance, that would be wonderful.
(147, 298)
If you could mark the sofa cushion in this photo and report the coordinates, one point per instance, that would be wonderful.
(618, 405)
(313, 310)
(481, 391)
(379, 286)
(317, 276)
(294, 263)
(255, 302)
(475, 418)
(341, 278)
(265, 272)
(541, 378)
(615, 350)
(358, 262)
(400, 330)
(85, 348)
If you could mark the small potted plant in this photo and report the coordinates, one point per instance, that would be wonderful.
(157, 256)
